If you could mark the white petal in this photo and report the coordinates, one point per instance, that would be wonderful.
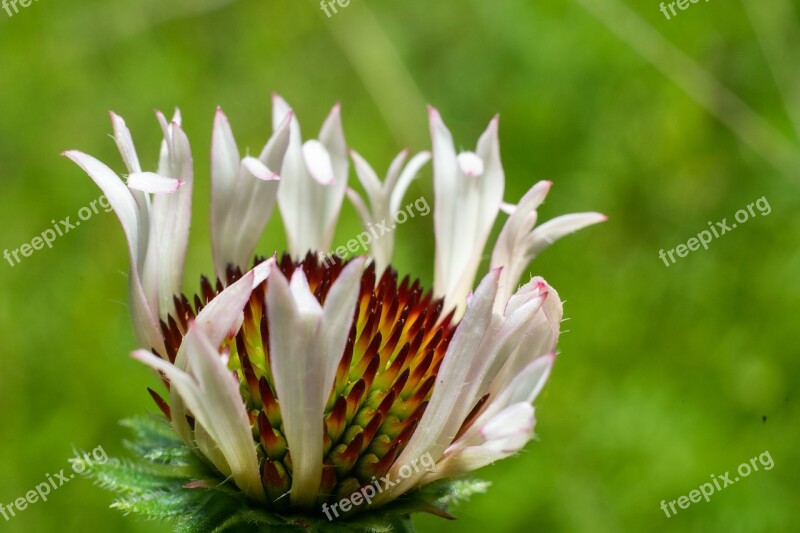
(511, 336)
(470, 164)
(541, 336)
(332, 136)
(445, 184)
(527, 385)
(318, 162)
(252, 200)
(118, 195)
(213, 397)
(410, 173)
(220, 318)
(122, 136)
(368, 178)
(224, 175)
(259, 170)
(306, 345)
(299, 385)
(511, 249)
(143, 305)
(505, 435)
(310, 208)
(360, 206)
(150, 182)
(280, 111)
(508, 208)
(465, 209)
(503, 430)
(554, 229)
(304, 299)
(454, 383)
(394, 170)
(171, 218)
(338, 315)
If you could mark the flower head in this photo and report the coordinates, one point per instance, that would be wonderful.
(303, 381)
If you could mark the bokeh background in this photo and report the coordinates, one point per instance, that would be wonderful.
(666, 375)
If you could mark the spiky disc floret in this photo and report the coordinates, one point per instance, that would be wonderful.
(383, 383)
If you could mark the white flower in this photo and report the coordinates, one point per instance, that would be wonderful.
(341, 372)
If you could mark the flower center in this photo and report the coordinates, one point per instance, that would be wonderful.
(383, 383)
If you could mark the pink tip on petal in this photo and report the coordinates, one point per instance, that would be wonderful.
(287, 119)
(433, 113)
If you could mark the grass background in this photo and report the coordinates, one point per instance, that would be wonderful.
(666, 376)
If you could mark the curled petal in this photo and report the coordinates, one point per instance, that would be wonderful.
(150, 182)
(318, 162)
(259, 170)
(470, 164)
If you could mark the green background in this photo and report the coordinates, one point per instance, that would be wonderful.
(666, 375)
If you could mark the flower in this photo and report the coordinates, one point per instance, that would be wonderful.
(303, 381)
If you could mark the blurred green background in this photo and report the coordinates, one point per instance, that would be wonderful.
(666, 375)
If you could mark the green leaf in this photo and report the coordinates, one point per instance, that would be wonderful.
(152, 432)
(135, 477)
(159, 505)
